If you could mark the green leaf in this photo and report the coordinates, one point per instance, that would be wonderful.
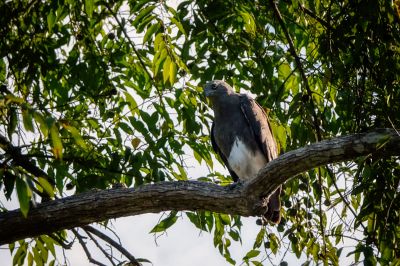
(132, 103)
(89, 7)
(135, 142)
(9, 182)
(142, 14)
(274, 243)
(197, 219)
(159, 43)
(3, 71)
(27, 120)
(51, 19)
(76, 135)
(163, 54)
(225, 218)
(49, 244)
(12, 122)
(251, 254)
(24, 196)
(56, 142)
(179, 25)
(43, 251)
(284, 71)
(166, 69)
(166, 223)
(11, 247)
(42, 123)
(30, 259)
(150, 31)
(46, 186)
(249, 22)
(259, 238)
(172, 73)
(21, 253)
(182, 175)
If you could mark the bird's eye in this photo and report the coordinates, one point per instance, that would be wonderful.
(214, 86)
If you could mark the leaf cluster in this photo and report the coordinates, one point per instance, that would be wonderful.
(97, 93)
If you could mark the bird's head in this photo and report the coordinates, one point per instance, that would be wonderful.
(217, 88)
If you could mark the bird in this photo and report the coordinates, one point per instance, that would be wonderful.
(241, 135)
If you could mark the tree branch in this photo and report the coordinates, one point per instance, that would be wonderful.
(105, 253)
(245, 200)
(384, 142)
(113, 243)
(87, 252)
(314, 16)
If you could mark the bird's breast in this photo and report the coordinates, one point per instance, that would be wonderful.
(244, 161)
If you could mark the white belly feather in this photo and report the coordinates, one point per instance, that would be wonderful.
(244, 162)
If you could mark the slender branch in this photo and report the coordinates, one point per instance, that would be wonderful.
(88, 255)
(113, 243)
(314, 16)
(246, 199)
(293, 52)
(321, 223)
(108, 256)
(333, 178)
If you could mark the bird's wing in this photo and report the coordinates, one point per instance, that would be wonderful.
(219, 152)
(259, 124)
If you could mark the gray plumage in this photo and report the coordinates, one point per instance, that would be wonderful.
(242, 136)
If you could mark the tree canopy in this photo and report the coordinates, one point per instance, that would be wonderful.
(96, 94)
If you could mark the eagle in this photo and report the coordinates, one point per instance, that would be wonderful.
(241, 135)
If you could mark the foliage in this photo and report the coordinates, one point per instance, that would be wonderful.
(101, 92)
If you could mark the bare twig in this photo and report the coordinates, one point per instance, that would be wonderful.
(113, 243)
(83, 244)
(398, 133)
(108, 256)
(321, 224)
(333, 178)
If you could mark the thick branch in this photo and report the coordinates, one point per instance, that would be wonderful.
(95, 206)
(245, 200)
(385, 142)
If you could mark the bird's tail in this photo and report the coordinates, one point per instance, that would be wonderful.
(273, 213)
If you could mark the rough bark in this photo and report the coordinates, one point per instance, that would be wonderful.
(245, 199)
